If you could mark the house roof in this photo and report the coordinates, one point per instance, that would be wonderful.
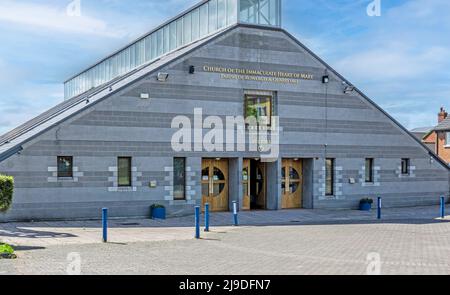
(444, 125)
(422, 129)
(11, 143)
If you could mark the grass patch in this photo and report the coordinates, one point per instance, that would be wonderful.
(7, 252)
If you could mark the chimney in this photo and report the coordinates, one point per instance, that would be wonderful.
(442, 115)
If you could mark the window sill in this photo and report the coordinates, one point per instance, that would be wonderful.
(124, 188)
(370, 184)
(328, 198)
(66, 179)
(179, 201)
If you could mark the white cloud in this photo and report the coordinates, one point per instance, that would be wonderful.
(29, 101)
(394, 62)
(9, 74)
(399, 59)
(407, 42)
(52, 18)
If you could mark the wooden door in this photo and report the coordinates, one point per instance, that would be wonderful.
(261, 185)
(292, 183)
(246, 176)
(215, 184)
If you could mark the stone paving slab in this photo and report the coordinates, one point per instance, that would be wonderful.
(43, 234)
(324, 249)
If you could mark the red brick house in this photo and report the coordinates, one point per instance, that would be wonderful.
(439, 137)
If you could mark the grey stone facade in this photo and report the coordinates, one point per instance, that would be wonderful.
(318, 121)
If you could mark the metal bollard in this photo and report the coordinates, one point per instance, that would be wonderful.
(197, 222)
(206, 217)
(105, 224)
(442, 207)
(235, 213)
(379, 208)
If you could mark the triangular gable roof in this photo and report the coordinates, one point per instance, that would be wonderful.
(11, 142)
(425, 137)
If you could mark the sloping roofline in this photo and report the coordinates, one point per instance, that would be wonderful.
(199, 44)
(427, 134)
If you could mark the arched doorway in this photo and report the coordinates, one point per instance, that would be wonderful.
(292, 183)
(215, 184)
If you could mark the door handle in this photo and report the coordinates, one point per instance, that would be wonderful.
(211, 188)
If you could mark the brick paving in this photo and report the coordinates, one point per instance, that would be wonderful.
(408, 241)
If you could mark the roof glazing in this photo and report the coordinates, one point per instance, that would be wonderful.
(202, 20)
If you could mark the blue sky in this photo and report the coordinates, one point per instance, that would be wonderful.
(399, 59)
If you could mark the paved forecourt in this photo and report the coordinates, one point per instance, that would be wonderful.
(397, 247)
(43, 234)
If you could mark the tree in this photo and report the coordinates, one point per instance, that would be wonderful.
(6, 192)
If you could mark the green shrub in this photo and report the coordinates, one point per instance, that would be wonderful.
(6, 249)
(156, 206)
(7, 252)
(366, 201)
(6, 192)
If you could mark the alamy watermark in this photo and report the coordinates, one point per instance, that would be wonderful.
(374, 8)
(258, 134)
(74, 8)
(74, 264)
(373, 264)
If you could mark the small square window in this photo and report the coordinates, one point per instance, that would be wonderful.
(405, 166)
(259, 107)
(65, 167)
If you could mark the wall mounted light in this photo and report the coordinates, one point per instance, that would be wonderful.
(431, 158)
(325, 79)
(145, 96)
(162, 77)
(191, 70)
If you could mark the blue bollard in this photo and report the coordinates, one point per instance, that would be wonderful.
(105, 224)
(206, 217)
(442, 207)
(379, 208)
(197, 222)
(235, 213)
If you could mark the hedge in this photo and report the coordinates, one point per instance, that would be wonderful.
(6, 192)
